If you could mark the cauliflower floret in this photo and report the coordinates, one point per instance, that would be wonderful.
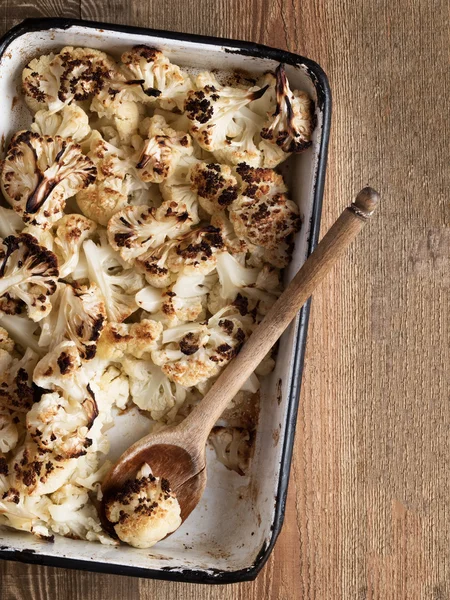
(72, 514)
(61, 370)
(135, 339)
(75, 74)
(111, 389)
(118, 285)
(153, 265)
(291, 125)
(10, 222)
(162, 149)
(109, 193)
(35, 472)
(135, 229)
(215, 185)
(161, 79)
(165, 306)
(6, 343)
(39, 173)
(193, 352)
(144, 511)
(71, 232)
(16, 392)
(79, 315)
(196, 252)
(151, 390)
(263, 215)
(72, 122)
(28, 272)
(233, 277)
(233, 244)
(212, 110)
(39, 84)
(233, 447)
(62, 425)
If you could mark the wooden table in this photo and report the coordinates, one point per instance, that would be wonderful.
(367, 515)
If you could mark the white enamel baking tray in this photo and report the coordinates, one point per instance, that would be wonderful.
(231, 534)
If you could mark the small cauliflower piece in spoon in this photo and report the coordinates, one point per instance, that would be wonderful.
(144, 511)
(40, 173)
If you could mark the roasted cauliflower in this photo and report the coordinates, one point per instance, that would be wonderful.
(142, 234)
(39, 173)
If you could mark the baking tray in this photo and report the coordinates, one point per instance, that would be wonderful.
(230, 535)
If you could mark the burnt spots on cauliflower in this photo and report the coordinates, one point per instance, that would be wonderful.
(198, 107)
(190, 343)
(65, 363)
(215, 185)
(40, 172)
(28, 272)
(292, 123)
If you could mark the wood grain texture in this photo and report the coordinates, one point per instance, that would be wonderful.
(367, 513)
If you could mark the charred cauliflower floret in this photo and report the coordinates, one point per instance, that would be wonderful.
(39, 173)
(162, 149)
(215, 186)
(35, 472)
(61, 370)
(263, 215)
(109, 193)
(134, 339)
(16, 390)
(71, 232)
(61, 425)
(151, 389)
(135, 229)
(213, 109)
(118, 285)
(291, 125)
(72, 122)
(75, 74)
(144, 511)
(196, 251)
(194, 352)
(162, 80)
(233, 447)
(79, 315)
(28, 272)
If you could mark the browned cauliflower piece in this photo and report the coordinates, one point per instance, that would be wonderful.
(135, 229)
(71, 232)
(233, 447)
(16, 391)
(291, 125)
(215, 185)
(39, 173)
(74, 75)
(263, 215)
(28, 272)
(134, 339)
(161, 80)
(144, 510)
(193, 352)
(213, 109)
(61, 425)
(196, 251)
(35, 472)
(79, 315)
(162, 150)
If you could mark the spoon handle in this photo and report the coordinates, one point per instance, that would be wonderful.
(317, 266)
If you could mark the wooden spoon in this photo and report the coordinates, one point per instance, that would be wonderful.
(178, 453)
